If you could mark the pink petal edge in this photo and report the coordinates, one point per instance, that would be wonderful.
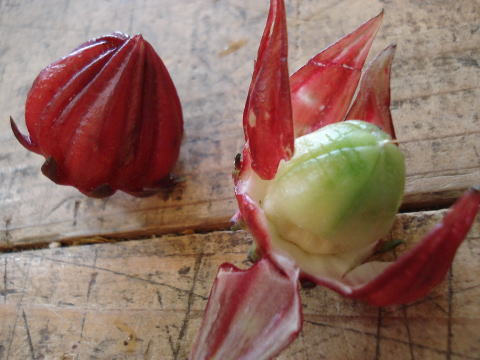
(267, 118)
(323, 89)
(251, 314)
(372, 103)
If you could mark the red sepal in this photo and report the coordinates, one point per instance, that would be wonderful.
(267, 118)
(323, 89)
(416, 272)
(24, 140)
(106, 117)
(251, 314)
(372, 103)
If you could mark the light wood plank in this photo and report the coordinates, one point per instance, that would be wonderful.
(434, 89)
(144, 300)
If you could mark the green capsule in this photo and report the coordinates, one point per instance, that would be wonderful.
(340, 191)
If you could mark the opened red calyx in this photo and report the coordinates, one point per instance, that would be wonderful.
(302, 132)
(106, 117)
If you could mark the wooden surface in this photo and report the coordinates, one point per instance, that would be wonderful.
(434, 88)
(85, 302)
(144, 300)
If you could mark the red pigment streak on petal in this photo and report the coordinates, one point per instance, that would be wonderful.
(372, 103)
(236, 219)
(251, 314)
(248, 210)
(322, 90)
(256, 221)
(267, 118)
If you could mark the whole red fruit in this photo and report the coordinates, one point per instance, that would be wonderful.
(106, 117)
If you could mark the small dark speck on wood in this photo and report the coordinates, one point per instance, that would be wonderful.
(184, 270)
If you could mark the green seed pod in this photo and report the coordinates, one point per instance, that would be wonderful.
(340, 191)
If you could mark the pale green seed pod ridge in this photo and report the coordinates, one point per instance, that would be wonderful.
(340, 191)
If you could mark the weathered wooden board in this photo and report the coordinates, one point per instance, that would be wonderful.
(209, 47)
(144, 300)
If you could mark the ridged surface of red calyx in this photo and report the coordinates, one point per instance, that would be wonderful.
(106, 117)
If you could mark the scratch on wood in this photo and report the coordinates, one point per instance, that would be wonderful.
(75, 212)
(304, 348)
(170, 341)
(59, 204)
(148, 281)
(5, 282)
(146, 354)
(468, 288)
(476, 152)
(438, 306)
(389, 338)
(378, 334)
(398, 102)
(82, 327)
(91, 283)
(8, 221)
(428, 298)
(29, 337)
(449, 323)
(409, 335)
(186, 320)
(159, 298)
(12, 334)
(435, 138)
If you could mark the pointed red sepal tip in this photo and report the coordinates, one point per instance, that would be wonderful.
(107, 115)
(426, 265)
(24, 140)
(251, 314)
(267, 118)
(323, 89)
(372, 103)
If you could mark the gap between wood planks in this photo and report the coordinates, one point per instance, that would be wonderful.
(435, 204)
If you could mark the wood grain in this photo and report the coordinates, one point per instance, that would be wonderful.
(209, 47)
(144, 300)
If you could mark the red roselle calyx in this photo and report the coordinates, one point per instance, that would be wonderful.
(106, 117)
(305, 132)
